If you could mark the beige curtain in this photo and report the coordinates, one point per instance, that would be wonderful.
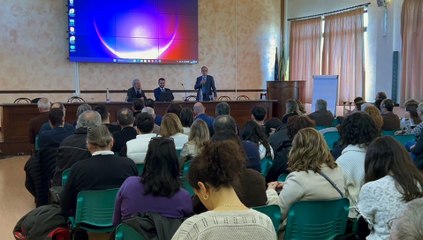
(304, 52)
(343, 52)
(412, 50)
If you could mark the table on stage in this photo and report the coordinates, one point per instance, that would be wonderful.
(15, 118)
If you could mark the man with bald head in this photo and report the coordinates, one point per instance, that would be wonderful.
(200, 113)
(35, 123)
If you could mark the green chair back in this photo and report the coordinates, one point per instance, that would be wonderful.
(388, 133)
(125, 232)
(317, 219)
(273, 212)
(140, 168)
(184, 178)
(403, 139)
(265, 163)
(320, 127)
(331, 138)
(65, 176)
(282, 177)
(94, 210)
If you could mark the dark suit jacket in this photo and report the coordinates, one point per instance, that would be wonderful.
(157, 93)
(122, 136)
(210, 88)
(35, 124)
(131, 95)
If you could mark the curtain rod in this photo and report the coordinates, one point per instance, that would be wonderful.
(329, 13)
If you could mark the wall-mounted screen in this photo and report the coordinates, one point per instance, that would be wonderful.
(133, 31)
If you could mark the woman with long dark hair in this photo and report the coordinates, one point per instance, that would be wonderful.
(391, 180)
(253, 133)
(157, 189)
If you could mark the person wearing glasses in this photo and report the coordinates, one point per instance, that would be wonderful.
(205, 86)
(157, 189)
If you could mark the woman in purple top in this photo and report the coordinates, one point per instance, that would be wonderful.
(158, 189)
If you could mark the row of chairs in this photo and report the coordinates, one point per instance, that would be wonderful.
(35, 100)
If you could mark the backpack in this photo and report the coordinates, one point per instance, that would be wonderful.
(43, 223)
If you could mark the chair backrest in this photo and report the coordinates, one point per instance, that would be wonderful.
(242, 97)
(94, 208)
(388, 133)
(65, 176)
(75, 99)
(22, 100)
(265, 163)
(273, 212)
(125, 232)
(140, 168)
(184, 178)
(224, 98)
(190, 98)
(282, 177)
(331, 138)
(317, 219)
(403, 139)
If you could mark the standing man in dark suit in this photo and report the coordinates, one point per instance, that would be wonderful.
(135, 92)
(205, 86)
(161, 89)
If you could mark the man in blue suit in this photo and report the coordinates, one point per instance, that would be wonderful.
(205, 86)
(161, 93)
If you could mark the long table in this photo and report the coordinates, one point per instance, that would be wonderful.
(15, 118)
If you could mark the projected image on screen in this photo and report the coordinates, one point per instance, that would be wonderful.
(133, 31)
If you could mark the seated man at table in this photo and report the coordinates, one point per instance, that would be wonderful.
(135, 92)
(103, 170)
(162, 94)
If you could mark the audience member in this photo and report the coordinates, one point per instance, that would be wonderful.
(137, 106)
(158, 118)
(301, 108)
(187, 117)
(380, 96)
(322, 116)
(172, 128)
(390, 120)
(271, 125)
(167, 96)
(136, 149)
(67, 126)
(175, 108)
(198, 137)
(149, 110)
(110, 170)
(200, 113)
(74, 147)
(311, 165)
(357, 131)
(374, 113)
(158, 189)
(222, 108)
(358, 101)
(280, 162)
(53, 138)
(105, 118)
(35, 123)
(252, 132)
(392, 180)
(82, 108)
(135, 92)
(411, 117)
(125, 118)
(291, 110)
(409, 225)
(213, 176)
(258, 114)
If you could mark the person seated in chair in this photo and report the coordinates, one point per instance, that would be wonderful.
(135, 92)
(162, 94)
(103, 170)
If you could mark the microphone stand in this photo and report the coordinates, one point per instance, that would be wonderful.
(185, 92)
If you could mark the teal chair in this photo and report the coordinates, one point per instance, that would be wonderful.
(318, 128)
(273, 212)
(388, 133)
(317, 220)
(178, 153)
(184, 178)
(265, 163)
(335, 122)
(140, 168)
(94, 210)
(125, 232)
(282, 177)
(403, 139)
(65, 176)
(331, 138)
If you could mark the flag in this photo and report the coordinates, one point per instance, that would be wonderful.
(276, 66)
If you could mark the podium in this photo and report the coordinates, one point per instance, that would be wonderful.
(283, 91)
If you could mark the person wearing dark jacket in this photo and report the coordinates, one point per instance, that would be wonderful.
(110, 170)
(127, 132)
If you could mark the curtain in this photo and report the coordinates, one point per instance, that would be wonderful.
(304, 52)
(343, 52)
(412, 50)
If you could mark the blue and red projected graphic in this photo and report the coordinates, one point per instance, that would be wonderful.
(133, 31)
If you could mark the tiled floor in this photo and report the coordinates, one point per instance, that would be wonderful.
(15, 200)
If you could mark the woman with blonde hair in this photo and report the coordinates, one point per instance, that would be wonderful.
(375, 114)
(198, 136)
(171, 127)
(312, 168)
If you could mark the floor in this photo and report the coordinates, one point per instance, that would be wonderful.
(15, 200)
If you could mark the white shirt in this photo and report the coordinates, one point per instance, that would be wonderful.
(137, 148)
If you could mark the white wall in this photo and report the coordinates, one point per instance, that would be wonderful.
(380, 44)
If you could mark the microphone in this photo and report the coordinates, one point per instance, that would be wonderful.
(185, 92)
